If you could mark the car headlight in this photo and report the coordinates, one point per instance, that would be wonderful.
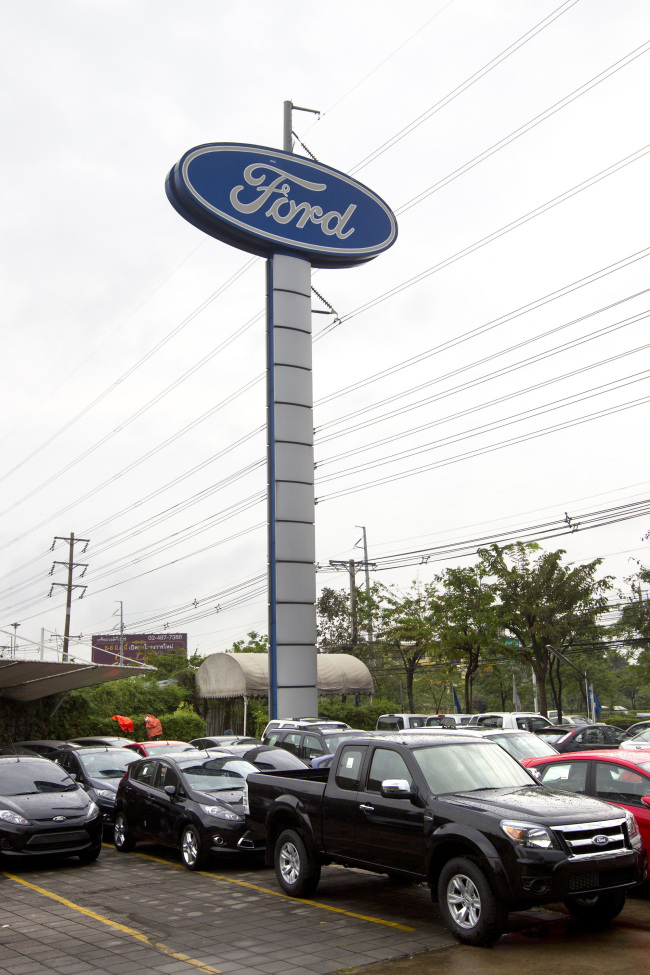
(528, 835)
(12, 817)
(92, 811)
(105, 794)
(220, 812)
(633, 832)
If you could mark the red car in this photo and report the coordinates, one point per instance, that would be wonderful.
(619, 777)
(147, 748)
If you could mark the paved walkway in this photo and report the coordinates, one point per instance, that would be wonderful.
(144, 913)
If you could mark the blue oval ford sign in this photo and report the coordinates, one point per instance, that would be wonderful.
(262, 200)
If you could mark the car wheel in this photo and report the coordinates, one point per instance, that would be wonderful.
(469, 906)
(597, 908)
(192, 848)
(297, 870)
(123, 838)
(90, 855)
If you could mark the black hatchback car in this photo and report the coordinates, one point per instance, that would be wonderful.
(98, 771)
(580, 738)
(44, 812)
(191, 801)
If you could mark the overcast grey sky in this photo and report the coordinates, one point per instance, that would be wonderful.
(510, 138)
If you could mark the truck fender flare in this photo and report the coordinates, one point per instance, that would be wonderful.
(453, 839)
(287, 812)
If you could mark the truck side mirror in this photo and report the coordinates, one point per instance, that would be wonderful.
(645, 800)
(396, 789)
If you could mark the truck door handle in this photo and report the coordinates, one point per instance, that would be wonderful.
(366, 808)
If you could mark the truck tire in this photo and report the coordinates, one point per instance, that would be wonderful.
(469, 906)
(598, 908)
(298, 872)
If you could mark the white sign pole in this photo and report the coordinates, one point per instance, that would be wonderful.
(290, 426)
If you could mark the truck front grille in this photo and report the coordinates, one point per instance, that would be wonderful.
(593, 839)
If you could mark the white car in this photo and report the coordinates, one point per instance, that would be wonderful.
(639, 741)
(524, 720)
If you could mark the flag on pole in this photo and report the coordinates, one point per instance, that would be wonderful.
(596, 706)
(515, 696)
(456, 701)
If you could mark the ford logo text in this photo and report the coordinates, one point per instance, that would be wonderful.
(600, 840)
(262, 200)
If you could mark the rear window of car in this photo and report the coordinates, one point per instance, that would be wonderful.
(390, 724)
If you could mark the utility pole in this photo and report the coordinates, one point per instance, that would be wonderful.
(121, 631)
(69, 585)
(366, 565)
(15, 626)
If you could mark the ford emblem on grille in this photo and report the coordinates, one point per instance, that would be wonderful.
(600, 840)
(61, 819)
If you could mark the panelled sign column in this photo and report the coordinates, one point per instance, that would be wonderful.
(298, 214)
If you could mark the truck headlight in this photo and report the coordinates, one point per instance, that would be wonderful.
(633, 832)
(528, 835)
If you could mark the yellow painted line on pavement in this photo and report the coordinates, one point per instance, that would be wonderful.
(277, 893)
(138, 935)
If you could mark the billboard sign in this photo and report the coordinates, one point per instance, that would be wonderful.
(263, 200)
(106, 647)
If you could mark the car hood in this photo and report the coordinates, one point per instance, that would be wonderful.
(46, 805)
(230, 797)
(109, 784)
(538, 802)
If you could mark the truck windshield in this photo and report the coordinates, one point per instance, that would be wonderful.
(464, 768)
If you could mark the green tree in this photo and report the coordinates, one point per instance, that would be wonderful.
(256, 643)
(408, 627)
(542, 602)
(470, 625)
(334, 621)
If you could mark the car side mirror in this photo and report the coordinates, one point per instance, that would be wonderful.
(170, 790)
(645, 800)
(396, 789)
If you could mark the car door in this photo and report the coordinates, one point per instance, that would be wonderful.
(340, 801)
(588, 740)
(136, 796)
(166, 813)
(624, 786)
(571, 775)
(388, 831)
(311, 747)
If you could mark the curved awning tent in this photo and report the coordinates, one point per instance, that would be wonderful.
(225, 675)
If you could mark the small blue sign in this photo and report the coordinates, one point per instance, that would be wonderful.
(262, 200)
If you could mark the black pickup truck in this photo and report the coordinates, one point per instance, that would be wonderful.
(461, 815)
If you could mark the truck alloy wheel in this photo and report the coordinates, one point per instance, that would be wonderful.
(470, 909)
(298, 872)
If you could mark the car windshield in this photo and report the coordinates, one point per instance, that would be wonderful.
(643, 736)
(524, 745)
(23, 779)
(160, 750)
(111, 764)
(468, 767)
(217, 774)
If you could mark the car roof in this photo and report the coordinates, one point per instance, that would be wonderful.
(601, 754)
(466, 732)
